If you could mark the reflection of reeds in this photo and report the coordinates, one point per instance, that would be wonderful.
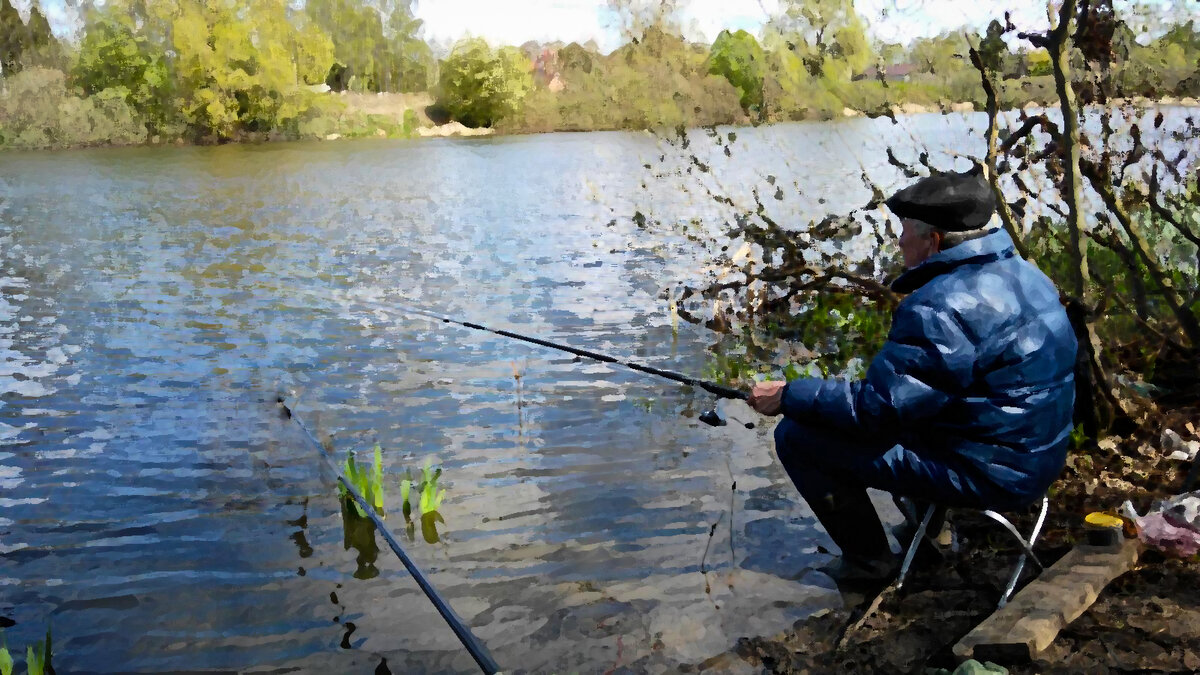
(673, 308)
(518, 372)
(358, 532)
(298, 536)
(732, 513)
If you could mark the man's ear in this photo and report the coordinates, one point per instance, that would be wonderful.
(938, 237)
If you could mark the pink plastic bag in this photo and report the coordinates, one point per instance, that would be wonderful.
(1172, 527)
(1156, 531)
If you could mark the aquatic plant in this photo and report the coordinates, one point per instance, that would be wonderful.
(37, 657)
(431, 496)
(368, 481)
(405, 487)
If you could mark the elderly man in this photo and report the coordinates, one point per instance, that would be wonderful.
(969, 402)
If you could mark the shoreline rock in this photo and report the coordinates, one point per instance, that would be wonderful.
(454, 129)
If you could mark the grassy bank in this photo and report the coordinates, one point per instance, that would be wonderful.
(39, 110)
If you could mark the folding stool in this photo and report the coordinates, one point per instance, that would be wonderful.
(1026, 545)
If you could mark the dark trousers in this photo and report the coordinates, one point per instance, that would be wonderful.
(832, 471)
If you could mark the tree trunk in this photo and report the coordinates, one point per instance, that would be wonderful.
(1095, 404)
(993, 131)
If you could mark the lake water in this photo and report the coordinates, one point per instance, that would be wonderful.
(159, 514)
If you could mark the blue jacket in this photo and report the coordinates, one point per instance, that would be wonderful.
(979, 363)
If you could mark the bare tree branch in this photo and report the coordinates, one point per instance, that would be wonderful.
(993, 177)
(1187, 320)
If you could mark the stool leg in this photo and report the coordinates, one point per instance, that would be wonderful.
(1026, 545)
(912, 548)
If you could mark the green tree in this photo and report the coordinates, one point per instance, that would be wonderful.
(790, 90)
(116, 55)
(233, 68)
(479, 85)
(942, 55)
(739, 59)
(828, 35)
(577, 58)
(39, 28)
(312, 52)
(287, 53)
(889, 53)
(410, 61)
(13, 38)
(43, 48)
(359, 45)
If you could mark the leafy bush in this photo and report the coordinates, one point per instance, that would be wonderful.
(739, 59)
(660, 82)
(480, 86)
(38, 112)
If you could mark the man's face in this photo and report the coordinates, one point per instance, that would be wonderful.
(915, 246)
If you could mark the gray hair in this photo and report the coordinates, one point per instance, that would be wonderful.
(952, 239)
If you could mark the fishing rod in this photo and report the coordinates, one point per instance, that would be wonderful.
(709, 417)
(468, 640)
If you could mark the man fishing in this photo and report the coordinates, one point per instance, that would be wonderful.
(969, 401)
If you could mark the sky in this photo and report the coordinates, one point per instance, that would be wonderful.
(517, 21)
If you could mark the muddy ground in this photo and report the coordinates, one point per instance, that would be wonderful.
(1147, 620)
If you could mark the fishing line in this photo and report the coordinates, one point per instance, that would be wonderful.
(710, 417)
(468, 640)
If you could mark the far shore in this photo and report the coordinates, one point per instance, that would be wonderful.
(396, 104)
(385, 113)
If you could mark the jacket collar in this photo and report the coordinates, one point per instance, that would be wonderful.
(995, 245)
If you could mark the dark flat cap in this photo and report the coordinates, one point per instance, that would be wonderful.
(955, 202)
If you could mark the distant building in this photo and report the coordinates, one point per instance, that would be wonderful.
(545, 64)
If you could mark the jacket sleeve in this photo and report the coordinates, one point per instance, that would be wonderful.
(927, 361)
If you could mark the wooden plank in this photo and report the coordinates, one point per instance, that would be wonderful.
(1028, 624)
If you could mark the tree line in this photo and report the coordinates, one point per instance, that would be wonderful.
(201, 70)
(219, 70)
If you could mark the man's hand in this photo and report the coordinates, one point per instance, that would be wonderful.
(767, 397)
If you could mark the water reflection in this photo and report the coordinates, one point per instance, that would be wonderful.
(358, 532)
(298, 536)
(429, 523)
